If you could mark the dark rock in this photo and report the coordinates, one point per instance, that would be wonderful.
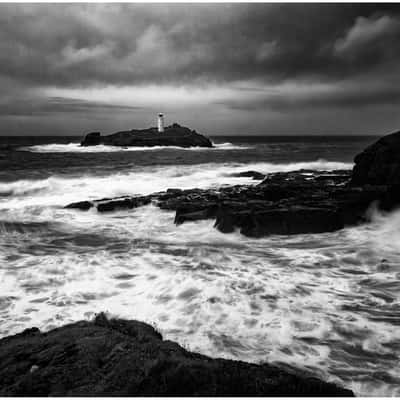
(292, 220)
(227, 219)
(122, 203)
(390, 198)
(92, 139)
(182, 215)
(278, 191)
(279, 221)
(174, 135)
(81, 205)
(283, 203)
(379, 164)
(112, 205)
(112, 357)
(174, 191)
(249, 174)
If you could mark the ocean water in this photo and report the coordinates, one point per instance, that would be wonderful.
(328, 304)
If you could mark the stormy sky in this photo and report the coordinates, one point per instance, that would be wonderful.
(245, 69)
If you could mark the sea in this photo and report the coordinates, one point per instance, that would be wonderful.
(326, 304)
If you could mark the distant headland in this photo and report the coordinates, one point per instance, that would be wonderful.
(173, 135)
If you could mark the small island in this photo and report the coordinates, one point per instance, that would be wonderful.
(173, 135)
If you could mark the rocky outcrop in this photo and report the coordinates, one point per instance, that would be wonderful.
(303, 201)
(174, 135)
(113, 357)
(116, 203)
(379, 164)
(283, 203)
(280, 221)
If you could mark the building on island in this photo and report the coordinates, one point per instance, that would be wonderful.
(160, 123)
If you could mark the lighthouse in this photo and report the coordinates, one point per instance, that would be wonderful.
(160, 123)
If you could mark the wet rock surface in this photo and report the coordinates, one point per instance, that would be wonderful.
(118, 357)
(283, 203)
(174, 135)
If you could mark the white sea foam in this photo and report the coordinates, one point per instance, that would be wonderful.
(326, 302)
(77, 148)
(277, 299)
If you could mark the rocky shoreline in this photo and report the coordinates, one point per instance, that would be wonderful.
(114, 357)
(173, 135)
(285, 203)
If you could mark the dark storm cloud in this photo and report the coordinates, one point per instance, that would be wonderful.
(54, 105)
(70, 45)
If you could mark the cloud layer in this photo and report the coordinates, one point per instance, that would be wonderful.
(248, 58)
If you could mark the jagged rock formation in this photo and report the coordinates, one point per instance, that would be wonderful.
(129, 358)
(286, 203)
(283, 203)
(174, 135)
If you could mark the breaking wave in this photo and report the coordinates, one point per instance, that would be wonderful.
(77, 148)
(59, 191)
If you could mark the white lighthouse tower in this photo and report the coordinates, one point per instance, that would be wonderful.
(160, 122)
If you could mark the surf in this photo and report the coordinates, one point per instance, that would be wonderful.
(59, 190)
(77, 148)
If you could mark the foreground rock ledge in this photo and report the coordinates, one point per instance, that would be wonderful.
(174, 135)
(119, 357)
